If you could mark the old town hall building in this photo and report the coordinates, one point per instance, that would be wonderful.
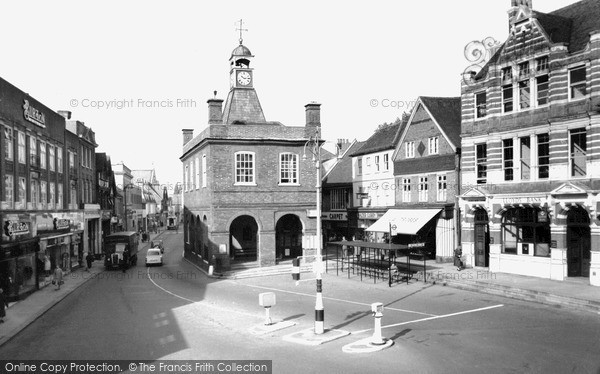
(248, 191)
(531, 147)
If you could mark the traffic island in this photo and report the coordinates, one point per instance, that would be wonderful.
(367, 346)
(266, 329)
(308, 336)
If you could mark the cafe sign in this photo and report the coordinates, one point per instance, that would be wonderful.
(15, 228)
(61, 224)
(33, 115)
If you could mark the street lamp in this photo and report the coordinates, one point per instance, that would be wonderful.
(315, 149)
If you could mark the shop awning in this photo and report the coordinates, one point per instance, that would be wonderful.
(403, 221)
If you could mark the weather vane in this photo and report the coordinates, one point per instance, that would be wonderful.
(241, 29)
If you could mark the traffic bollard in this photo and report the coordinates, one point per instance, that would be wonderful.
(377, 310)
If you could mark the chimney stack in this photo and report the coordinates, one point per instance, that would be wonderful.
(215, 110)
(65, 113)
(313, 114)
(188, 134)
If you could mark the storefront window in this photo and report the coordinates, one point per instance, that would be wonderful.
(524, 230)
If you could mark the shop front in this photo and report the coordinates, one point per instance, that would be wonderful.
(18, 249)
(336, 225)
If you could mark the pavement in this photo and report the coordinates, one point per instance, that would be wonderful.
(574, 293)
(22, 313)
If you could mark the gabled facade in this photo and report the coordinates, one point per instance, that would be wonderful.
(373, 179)
(530, 135)
(248, 192)
(337, 193)
(426, 172)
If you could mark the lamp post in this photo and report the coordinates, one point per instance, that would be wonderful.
(319, 309)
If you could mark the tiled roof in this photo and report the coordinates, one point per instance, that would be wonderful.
(383, 138)
(342, 171)
(573, 23)
(447, 113)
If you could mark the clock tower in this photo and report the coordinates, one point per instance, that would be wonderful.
(242, 105)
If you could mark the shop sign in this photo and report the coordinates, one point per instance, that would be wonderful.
(369, 215)
(335, 216)
(522, 200)
(61, 224)
(416, 245)
(15, 228)
(542, 216)
(33, 115)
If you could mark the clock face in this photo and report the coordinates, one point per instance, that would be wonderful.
(244, 78)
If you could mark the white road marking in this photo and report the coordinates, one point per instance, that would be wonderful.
(340, 300)
(167, 339)
(161, 323)
(435, 317)
(159, 315)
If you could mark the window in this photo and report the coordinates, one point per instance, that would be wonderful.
(524, 94)
(204, 171)
(32, 151)
(543, 142)
(59, 159)
(433, 145)
(507, 73)
(577, 82)
(338, 199)
(541, 64)
(288, 168)
(197, 172)
(73, 195)
(377, 165)
(481, 154)
(410, 149)
(525, 158)
(52, 194)
(22, 192)
(21, 139)
(9, 196)
(359, 170)
(368, 165)
(528, 228)
(524, 69)
(244, 168)
(60, 196)
(34, 193)
(508, 163)
(578, 152)
(42, 155)
(186, 186)
(541, 84)
(71, 159)
(423, 189)
(406, 190)
(481, 104)
(51, 161)
(43, 192)
(9, 152)
(507, 98)
(386, 162)
(442, 188)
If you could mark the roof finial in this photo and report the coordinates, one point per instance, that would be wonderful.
(241, 29)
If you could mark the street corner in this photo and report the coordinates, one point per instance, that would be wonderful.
(265, 329)
(308, 336)
(366, 345)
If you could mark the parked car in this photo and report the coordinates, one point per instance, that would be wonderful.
(158, 244)
(154, 257)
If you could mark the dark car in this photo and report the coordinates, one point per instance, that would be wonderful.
(158, 244)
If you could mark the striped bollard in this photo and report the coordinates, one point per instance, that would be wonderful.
(296, 269)
(319, 309)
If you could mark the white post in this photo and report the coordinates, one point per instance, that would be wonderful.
(319, 308)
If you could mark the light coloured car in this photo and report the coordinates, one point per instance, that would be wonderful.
(154, 257)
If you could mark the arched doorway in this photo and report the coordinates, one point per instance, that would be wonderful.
(288, 236)
(243, 238)
(481, 238)
(578, 243)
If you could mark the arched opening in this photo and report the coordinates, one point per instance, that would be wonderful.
(243, 238)
(578, 243)
(288, 237)
(482, 238)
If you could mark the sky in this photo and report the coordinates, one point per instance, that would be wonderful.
(138, 72)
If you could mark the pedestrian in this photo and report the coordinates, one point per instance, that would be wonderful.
(344, 248)
(89, 259)
(58, 277)
(3, 303)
